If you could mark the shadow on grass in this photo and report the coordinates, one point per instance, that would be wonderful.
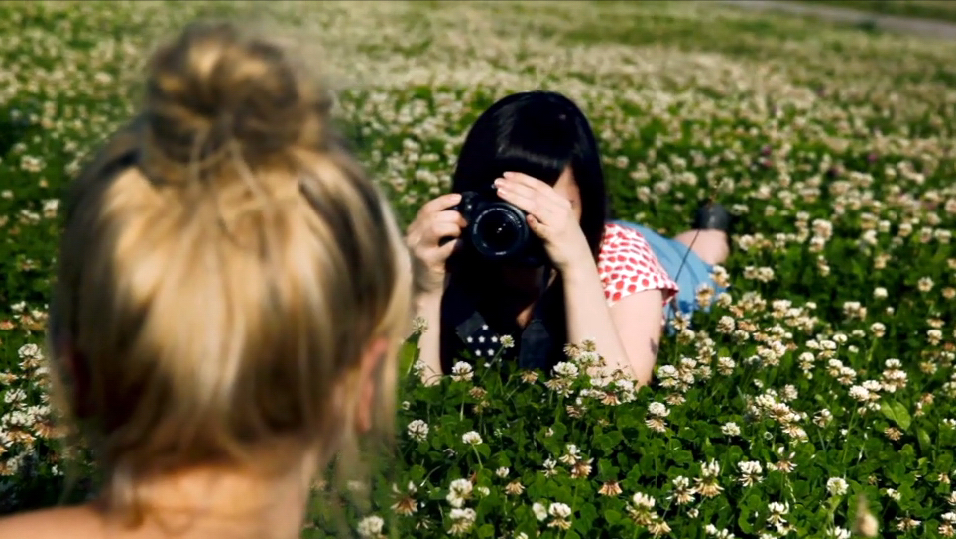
(15, 123)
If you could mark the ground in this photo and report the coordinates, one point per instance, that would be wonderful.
(830, 361)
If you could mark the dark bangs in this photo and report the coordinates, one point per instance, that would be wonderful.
(519, 136)
(537, 133)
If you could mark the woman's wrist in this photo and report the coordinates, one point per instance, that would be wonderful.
(429, 301)
(580, 270)
(433, 292)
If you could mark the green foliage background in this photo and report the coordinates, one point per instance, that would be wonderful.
(833, 145)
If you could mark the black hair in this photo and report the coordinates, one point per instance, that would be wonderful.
(538, 133)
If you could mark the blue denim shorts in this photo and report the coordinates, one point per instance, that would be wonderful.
(682, 265)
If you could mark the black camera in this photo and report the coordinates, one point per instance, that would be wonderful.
(497, 230)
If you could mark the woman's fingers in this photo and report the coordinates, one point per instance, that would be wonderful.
(523, 179)
(441, 229)
(436, 255)
(425, 228)
(521, 198)
(535, 185)
(515, 188)
(537, 226)
(532, 196)
(450, 216)
(447, 249)
(544, 209)
(440, 203)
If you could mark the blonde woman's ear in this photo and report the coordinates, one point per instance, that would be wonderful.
(372, 358)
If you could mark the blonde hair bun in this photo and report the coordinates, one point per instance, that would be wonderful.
(216, 89)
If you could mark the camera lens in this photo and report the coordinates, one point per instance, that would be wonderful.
(500, 232)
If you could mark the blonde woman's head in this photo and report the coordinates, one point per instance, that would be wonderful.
(230, 283)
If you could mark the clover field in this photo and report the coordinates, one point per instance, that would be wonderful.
(816, 398)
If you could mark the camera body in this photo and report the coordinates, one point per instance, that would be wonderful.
(499, 231)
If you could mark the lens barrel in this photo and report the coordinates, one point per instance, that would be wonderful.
(499, 231)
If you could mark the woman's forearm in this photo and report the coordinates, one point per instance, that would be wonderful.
(429, 342)
(588, 315)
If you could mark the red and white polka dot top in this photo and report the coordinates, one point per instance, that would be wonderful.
(627, 265)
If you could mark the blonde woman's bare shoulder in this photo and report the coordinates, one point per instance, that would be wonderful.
(77, 522)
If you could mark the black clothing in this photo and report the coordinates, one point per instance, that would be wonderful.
(465, 329)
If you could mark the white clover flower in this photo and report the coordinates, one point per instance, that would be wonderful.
(750, 472)
(418, 430)
(860, 393)
(710, 469)
(471, 438)
(507, 341)
(726, 365)
(682, 492)
(667, 371)
(823, 418)
(566, 369)
(461, 487)
(710, 529)
(539, 511)
(778, 508)
(572, 454)
(559, 510)
(14, 396)
(840, 533)
(30, 351)
(657, 409)
(462, 520)
(462, 372)
(643, 500)
(624, 385)
(371, 526)
(587, 358)
(730, 429)
(419, 325)
(502, 472)
(419, 367)
(458, 491)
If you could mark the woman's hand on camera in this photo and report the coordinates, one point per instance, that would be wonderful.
(433, 223)
(550, 216)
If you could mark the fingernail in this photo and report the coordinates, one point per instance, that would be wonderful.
(498, 183)
(508, 174)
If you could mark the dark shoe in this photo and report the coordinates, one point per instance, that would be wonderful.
(713, 216)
